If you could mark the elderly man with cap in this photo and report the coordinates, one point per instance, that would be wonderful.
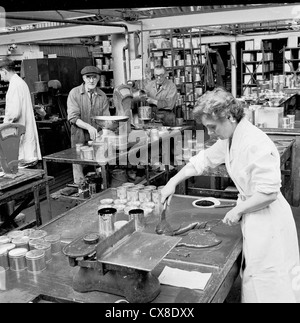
(19, 109)
(85, 101)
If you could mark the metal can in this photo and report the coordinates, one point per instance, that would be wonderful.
(139, 218)
(4, 239)
(38, 234)
(107, 218)
(54, 240)
(28, 232)
(21, 242)
(32, 243)
(4, 258)
(15, 234)
(46, 247)
(17, 260)
(35, 260)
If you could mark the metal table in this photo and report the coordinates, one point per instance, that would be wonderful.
(70, 156)
(55, 282)
(29, 181)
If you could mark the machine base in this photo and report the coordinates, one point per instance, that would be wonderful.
(137, 287)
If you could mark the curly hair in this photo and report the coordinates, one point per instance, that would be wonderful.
(218, 104)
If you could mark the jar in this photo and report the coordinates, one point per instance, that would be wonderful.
(17, 260)
(35, 260)
(156, 196)
(132, 194)
(46, 247)
(122, 192)
(144, 195)
(54, 240)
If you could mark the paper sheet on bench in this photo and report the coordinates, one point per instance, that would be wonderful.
(183, 278)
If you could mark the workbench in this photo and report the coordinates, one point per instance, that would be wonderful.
(71, 156)
(55, 281)
(288, 147)
(28, 182)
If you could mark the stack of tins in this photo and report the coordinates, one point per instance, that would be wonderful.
(29, 249)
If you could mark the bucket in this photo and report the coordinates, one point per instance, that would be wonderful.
(118, 177)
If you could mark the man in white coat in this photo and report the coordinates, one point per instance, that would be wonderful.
(19, 109)
(270, 267)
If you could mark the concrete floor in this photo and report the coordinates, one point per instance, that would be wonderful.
(59, 207)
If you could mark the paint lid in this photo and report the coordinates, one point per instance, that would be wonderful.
(28, 232)
(35, 254)
(35, 242)
(20, 240)
(52, 238)
(5, 239)
(15, 234)
(38, 234)
(17, 252)
(6, 247)
(43, 245)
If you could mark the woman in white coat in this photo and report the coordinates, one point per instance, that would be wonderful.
(19, 109)
(270, 244)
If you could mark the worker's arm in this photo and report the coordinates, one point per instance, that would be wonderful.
(74, 115)
(186, 172)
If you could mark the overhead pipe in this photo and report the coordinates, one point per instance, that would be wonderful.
(94, 23)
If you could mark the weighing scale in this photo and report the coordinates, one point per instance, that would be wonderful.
(10, 134)
(120, 264)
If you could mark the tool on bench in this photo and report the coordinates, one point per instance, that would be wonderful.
(119, 264)
(164, 227)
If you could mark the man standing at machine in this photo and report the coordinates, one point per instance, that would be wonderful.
(19, 109)
(162, 96)
(85, 101)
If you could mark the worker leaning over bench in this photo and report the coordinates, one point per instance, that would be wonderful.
(85, 101)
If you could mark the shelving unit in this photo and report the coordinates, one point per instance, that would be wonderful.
(291, 65)
(183, 56)
(257, 65)
(4, 85)
(102, 58)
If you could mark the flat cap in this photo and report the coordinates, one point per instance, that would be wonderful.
(6, 62)
(90, 70)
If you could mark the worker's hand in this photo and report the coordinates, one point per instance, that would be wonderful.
(232, 217)
(167, 192)
(151, 101)
(93, 132)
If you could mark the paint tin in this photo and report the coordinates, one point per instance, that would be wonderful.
(34, 242)
(139, 219)
(5, 239)
(15, 234)
(145, 195)
(28, 232)
(4, 249)
(54, 240)
(35, 260)
(37, 234)
(106, 221)
(17, 260)
(21, 242)
(46, 247)
(132, 194)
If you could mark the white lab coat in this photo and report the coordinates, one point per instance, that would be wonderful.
(270, 242)
(19, 109)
